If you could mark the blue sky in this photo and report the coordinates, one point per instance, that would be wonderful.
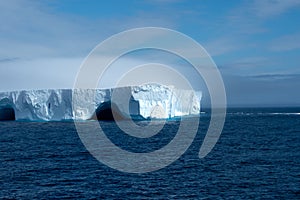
(255, 44)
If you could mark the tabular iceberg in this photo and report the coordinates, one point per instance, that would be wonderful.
(140, 102)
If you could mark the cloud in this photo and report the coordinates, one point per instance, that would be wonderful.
(29, 29)
(242, 20)
(262, 90)
(39, 73)
(222, 45)
(251, 36)
(246, 65)
(42, 48)
(286, 42)
(274, 77)
(250, 17)
(32, 29)
(270, 8)
(163, 1)
(8, 59)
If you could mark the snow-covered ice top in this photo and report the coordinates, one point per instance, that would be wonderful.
(146, 101)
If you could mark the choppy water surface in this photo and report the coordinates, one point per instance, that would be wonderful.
(257, 156)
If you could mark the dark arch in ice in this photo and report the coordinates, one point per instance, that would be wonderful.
(7, 112)
(108, 111)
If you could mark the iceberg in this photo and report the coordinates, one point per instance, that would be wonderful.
(150, 101)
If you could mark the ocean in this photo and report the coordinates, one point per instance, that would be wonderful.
(257, 156)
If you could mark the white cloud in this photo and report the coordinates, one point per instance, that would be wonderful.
(39, 73)
(32, 29)
(41, 48)
(286, 43)
(269, 8)
(246, 65)
(29, 29)
(222, 45)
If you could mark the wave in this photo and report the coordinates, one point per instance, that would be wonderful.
(261, 113)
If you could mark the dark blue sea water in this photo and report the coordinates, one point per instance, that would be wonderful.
(257, 156)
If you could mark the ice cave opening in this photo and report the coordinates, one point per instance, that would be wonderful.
(7, 114)
(108, 111)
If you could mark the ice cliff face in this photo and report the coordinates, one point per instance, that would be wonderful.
(146, 101)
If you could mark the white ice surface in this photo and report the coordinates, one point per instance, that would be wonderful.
(147, 101)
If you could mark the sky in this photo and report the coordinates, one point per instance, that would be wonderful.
(255, 44)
